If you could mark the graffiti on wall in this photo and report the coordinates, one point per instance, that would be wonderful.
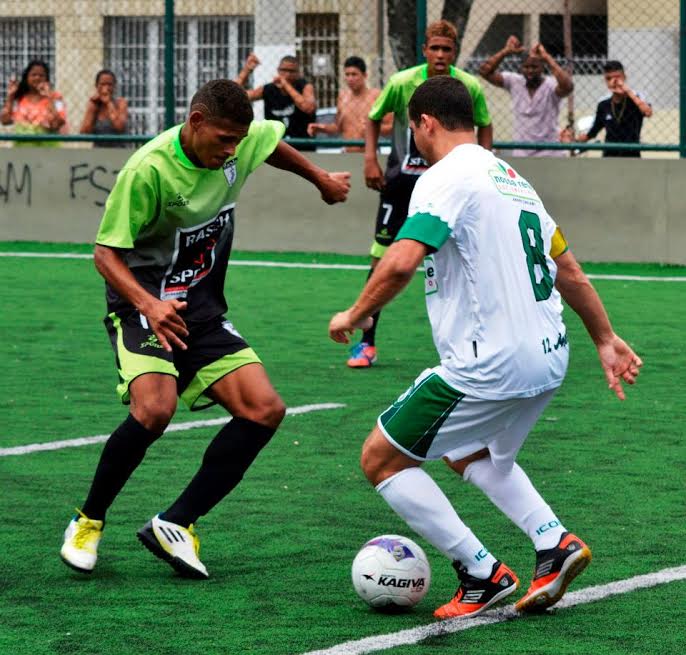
(23, 184)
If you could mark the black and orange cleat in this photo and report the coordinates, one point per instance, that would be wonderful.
(555, 569)
(475, 595)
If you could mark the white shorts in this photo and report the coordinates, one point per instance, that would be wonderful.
(432, 420)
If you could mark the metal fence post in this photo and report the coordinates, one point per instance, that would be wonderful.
(421, 28)
(682, 80)
(169, 100)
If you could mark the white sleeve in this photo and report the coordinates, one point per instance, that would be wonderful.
(440, 196)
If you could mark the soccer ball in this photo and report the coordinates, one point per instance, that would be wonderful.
(391, 570)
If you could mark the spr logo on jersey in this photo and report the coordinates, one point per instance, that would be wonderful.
(230, 172)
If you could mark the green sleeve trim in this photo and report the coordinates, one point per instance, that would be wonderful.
(428, 229)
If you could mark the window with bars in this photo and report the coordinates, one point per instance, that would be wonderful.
(21, 40)
(317, 49)
(206, 48)
(589, 40)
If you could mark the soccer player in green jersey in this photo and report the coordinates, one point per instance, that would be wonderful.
(163, 249)
(496, 268)
(405, 163)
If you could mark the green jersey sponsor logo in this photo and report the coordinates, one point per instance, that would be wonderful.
(194, 253)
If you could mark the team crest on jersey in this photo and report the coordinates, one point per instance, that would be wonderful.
(230, 172)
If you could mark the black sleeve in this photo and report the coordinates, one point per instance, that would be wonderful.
(597, 123)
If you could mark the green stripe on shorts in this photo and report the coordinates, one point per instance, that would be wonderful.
(413, 421)
(193, 394)
(132, 365)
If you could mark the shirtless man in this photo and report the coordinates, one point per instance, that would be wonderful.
(352, 107)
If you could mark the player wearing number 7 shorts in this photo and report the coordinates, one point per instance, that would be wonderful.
(496, 268)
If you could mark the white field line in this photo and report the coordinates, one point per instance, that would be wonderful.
(581, 597)
(244, 262)
(344, 267)
(174, 427)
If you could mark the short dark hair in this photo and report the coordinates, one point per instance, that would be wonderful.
(105, 71)
(446, 99)
(223, 99)
(613, 65)
(290, 59)
(355, 62)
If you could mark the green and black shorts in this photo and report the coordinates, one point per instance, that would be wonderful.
(215, 348)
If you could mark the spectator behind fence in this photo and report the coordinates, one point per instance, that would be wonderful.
(621, 114)
(535, 96)
(352, 107)
(33, 106)
(105, 114)
(289, 98)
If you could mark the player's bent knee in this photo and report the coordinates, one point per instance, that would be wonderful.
(153, 414)
(269, 413)
(373, 463)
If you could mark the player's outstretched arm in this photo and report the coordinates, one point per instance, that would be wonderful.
(618, 360)
(162, 315)
(333, 187)
(391, 276)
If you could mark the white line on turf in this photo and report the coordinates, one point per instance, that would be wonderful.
(415, 635)
(343, 267)
(174, 427)
(234, 262)
(48, 255)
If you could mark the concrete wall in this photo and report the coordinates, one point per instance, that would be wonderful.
(610, 210)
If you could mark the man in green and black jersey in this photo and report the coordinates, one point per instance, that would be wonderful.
(163, 248)
(405, 163)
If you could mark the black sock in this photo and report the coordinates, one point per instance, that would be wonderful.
(369, 336)
(122, 453)
(225, 461)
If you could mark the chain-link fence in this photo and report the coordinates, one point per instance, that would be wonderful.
(215, 38)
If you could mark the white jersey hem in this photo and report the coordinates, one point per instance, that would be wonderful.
(463, 386)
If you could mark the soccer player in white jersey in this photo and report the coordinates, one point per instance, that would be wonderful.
(163, 248)
(496, 268)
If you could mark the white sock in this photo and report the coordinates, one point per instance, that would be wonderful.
(414, 495)
(516, 497)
